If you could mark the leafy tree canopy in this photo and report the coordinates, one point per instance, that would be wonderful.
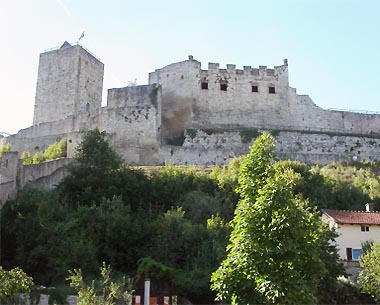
(90, 177)
(369, 276)
(94, 155)
(277, 242)
(180, 218)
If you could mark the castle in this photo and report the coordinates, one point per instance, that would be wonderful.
(186, 115)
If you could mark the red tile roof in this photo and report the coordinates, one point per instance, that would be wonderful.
(354, 217)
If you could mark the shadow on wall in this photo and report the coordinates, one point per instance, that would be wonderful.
(176, 114)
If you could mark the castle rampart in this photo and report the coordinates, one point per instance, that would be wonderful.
(14, 175)
(8, 176)
(186, 115)
(133, 120)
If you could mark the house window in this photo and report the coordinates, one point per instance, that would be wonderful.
(356, 253)
(255, 89)
(272, 90)
(349, 254)
(204, 85)
(365, 228)
(223, 87)
(353, 254)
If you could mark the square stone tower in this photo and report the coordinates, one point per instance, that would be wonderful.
(70, 82)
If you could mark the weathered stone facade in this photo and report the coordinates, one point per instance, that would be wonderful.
(70, 81)
(14, 175)
(186, 115)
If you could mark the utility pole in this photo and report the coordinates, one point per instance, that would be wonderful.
(146, 291)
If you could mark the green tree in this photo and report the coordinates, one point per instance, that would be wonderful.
(12, 283)
(369, 276)
(277, 240)
(109, 293)
(91, 177)
(94, 154)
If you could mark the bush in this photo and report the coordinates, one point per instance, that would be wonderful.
(12, 284)
(5, 148)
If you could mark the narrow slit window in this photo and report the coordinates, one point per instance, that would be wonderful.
(223, 87)
(272, 90)
(204, 85)
(255, 89)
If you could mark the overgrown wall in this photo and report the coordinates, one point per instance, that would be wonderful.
(45, 175)
(219, 147)
(14, 175)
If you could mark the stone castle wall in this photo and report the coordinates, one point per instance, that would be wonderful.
(132, 120)
(187, 115)
(45, 175)
(8, 176)
(14, 176)
(219, 147)
(70, 81)
(187, 104)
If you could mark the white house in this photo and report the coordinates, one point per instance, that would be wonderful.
(353, 227)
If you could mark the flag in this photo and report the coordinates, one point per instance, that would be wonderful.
(81, 36)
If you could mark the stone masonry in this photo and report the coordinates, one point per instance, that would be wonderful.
(186, 115)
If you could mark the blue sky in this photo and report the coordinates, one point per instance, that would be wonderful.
(332, 45)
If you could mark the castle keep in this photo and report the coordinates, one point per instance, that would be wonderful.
(186, 115)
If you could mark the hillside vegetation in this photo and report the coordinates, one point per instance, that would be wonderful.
(171, 223)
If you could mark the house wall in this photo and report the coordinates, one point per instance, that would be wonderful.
(351, 236)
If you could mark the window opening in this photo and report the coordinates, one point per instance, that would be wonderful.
(255, 89)
(365, 228)
(356, 254)
(204, 85)
(272, 90)
(223, 87)
(349, 254)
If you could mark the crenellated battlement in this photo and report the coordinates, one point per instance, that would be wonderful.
(262, 71)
